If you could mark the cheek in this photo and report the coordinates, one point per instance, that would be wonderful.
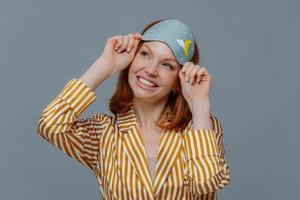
(130, 76)
(136, 63)
(133, 67)
(169, 79)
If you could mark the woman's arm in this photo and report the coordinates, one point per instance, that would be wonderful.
(59, 122)
(60, 125)
(206, 166)
(97, 73)
(118, 53)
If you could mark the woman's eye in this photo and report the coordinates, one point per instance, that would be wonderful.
(168, 65)
(144, 53)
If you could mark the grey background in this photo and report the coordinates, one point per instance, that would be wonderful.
(251, 48)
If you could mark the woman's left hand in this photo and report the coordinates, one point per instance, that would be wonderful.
(195, 83)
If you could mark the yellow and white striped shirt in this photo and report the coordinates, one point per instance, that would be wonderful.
(191, 163)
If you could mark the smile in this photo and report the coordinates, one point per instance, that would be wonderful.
(145, 83)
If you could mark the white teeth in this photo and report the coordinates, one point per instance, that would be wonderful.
(146, 82)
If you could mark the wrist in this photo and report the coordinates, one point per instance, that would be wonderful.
(201, 114)
(201, 120)
(201, 105)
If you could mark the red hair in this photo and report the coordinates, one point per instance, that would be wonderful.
(176, 114)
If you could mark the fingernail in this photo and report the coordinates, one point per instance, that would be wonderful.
(186, 79)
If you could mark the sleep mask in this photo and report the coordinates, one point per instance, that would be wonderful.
(176, 35)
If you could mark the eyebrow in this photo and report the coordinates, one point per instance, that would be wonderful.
(171, 59)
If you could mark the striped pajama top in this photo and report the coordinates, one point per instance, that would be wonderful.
(191, 163)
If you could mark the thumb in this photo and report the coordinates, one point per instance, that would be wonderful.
(181, 76)
(110, 44)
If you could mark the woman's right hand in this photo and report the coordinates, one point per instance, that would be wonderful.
(119, 51)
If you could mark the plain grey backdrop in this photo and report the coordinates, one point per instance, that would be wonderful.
(251, 48)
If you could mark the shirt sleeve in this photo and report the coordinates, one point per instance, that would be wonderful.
(209, 196)
(206, 167)
(60, 125)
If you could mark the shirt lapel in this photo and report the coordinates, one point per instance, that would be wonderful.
(169, 151)
(131, 143)
(134, 148)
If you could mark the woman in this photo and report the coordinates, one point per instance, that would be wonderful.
(162, 141)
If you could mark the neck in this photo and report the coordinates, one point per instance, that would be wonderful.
(147, 113)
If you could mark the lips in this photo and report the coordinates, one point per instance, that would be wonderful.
(152, 82)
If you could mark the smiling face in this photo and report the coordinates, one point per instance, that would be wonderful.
(153, 72)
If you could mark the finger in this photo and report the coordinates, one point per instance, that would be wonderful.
(137, 35)
(113, 40)
(183, 70)
(188, 68)
(200, 73)
(135, 45)
(131, 42)
(125, 43)
(181, 76)
(119, 42)
(206, 76)
(193, 74)
(184, 67)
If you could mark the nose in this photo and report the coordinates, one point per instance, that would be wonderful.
(151, 69)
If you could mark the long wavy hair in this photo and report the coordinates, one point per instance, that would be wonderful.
(176, 114)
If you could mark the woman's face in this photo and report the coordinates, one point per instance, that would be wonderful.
(153, 71)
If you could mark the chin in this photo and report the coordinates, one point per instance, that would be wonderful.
(147, 96)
